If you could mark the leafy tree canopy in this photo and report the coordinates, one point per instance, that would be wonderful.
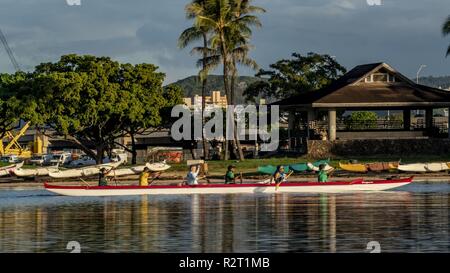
(290, 77)
(15, 105)
(96, 100)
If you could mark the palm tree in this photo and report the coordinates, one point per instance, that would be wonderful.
(229, 22)
(193, 34)
(446, 31)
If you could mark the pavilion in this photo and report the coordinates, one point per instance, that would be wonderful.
(369, 87)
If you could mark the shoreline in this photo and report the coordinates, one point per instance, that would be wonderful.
(17, 183)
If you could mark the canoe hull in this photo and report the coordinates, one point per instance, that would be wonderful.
(9, 170)
(83, 172)
(330, 187)
(423, 167)
(356, 168)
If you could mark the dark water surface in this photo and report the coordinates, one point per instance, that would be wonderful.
(414, 218)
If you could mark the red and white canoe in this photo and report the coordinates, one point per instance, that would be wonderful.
(303, 187)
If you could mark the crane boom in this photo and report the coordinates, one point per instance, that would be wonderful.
(9, 51)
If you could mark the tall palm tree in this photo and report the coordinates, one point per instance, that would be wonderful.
(229, 22)
(194, 34)
(446, 31)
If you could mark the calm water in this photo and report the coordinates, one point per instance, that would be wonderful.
(414, 218)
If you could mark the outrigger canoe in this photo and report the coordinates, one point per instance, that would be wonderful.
(356, 168)
(358, 185)
(35, 172)
(8, 170)
(154, 167)
(85, 171)
(423, 167)
(308, 167)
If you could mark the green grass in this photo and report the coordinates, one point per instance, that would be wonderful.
(251, 165)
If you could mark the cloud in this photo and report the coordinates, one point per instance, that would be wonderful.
(405, 33)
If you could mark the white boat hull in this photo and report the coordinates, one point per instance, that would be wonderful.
(9, 170)
(334, 187)
(83, 172)
(34, 172)
(424, 167)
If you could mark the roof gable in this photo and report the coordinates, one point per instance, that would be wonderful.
(352, 90)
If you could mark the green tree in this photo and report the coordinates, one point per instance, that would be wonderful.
(193, 34)
(287, 78)
(361, 120)
(15, 105)
(95, 100)
(446, 31)
(141, 88)
(229, 23)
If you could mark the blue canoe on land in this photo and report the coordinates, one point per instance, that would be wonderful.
(303, 167)
(270, 169)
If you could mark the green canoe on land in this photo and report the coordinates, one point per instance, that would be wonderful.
(270, 169)
(303, 167)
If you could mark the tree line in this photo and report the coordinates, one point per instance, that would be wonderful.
(89, 101)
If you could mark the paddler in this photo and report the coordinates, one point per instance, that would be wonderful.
(143, 177)
(102, 179)
(230, 177)
(192, 176)
(279, 176)
(323, 175)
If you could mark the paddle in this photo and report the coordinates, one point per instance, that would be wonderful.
(87, 184)
(287, 176)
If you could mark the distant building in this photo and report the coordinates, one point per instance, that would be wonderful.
(216, 99)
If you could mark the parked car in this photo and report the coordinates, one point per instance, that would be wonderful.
(86, 160)
(40, 159)
(61, 159)
(10, 159)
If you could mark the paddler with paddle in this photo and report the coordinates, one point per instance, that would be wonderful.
(102, 179)
(280, 176)
(230, 176)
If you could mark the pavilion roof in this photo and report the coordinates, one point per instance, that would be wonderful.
(353, 91)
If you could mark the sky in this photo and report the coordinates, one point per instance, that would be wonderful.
(403, 33)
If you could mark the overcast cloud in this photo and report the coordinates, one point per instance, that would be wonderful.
(404, 33)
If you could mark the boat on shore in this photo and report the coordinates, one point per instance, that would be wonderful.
(9, 170)
(310, 167)
(85, 171)
(423, 167)
(42, 171)
(154, 167)
(353, 167)
(358, 185)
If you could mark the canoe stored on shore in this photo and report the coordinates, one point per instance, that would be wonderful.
(154, 167)
(356, 168)
(85, 171)
(305, 187)
(35, 172)
(308, 167)
(9, 170)
(424, 167)
(270, 169)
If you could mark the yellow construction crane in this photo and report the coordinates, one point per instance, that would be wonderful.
(13, 147)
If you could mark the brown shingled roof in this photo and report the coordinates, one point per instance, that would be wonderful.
(347, 91)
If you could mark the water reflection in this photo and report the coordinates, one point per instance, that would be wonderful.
(400, 221)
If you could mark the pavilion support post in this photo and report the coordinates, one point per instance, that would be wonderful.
(407, 120)
(448, 117)
(291, 126)
(332, 124)
(429, 119)
(310, 119)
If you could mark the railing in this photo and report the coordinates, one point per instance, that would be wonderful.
(381, 125)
